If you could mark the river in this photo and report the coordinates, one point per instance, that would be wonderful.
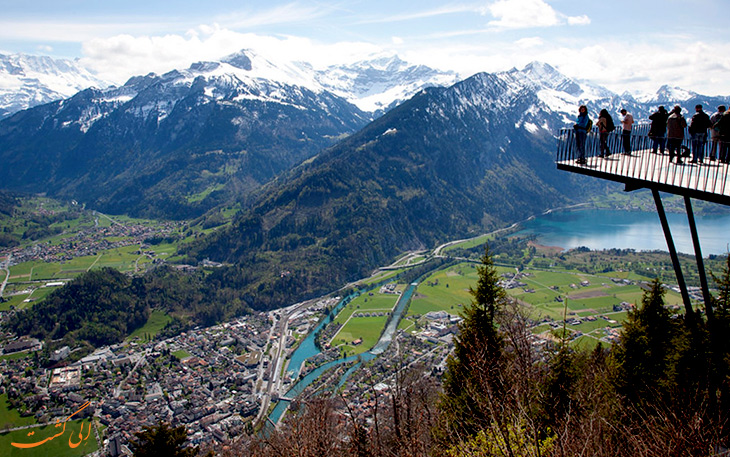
(308, 349)
(639, 230)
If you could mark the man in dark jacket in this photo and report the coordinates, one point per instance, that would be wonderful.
(675, 133)
(698, 126)
(723, 127)
(714, 134)
(658, 129)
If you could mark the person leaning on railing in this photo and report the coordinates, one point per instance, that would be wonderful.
(675, 133)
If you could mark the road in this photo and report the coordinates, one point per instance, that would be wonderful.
(4, 266)
(280, 354)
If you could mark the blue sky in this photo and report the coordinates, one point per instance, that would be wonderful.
(634, 46)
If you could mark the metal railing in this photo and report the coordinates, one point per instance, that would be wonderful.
(642, 168)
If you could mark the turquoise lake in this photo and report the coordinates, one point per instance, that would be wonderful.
(642, 231)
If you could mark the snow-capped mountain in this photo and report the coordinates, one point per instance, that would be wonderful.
(668, 94)
(27, 81)
(178, 143)
(374, 85)
(378, 84)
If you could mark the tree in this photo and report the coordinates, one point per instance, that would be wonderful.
(162, 441)
(472, 380)
(642, 355)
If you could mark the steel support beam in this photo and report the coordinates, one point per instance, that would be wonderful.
(672, 251)
(698, 255)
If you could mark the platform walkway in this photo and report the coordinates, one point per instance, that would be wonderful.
(708, 181)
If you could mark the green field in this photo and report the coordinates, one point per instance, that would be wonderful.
(368, 329)
(582, 295)
(18, 301)
(367, 303)
(468, 244)
(155, 323)
(182, 354)
(445, 290)
(381, 276)
(10, 418)
(122, 259)
(61, 446)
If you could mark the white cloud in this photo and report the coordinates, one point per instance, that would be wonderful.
(579, 20)
(531, 42)
(119, 57)
(515, 14)
(520, 14)
(637, 67)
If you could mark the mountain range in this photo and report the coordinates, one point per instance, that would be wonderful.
(328, 190)
(27, 81)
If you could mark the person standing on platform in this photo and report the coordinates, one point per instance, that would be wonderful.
(605, 126)
(658, 129)
(714, 132)
(723, 127)
(675, 133)
(627, 120)
(581, 128)
(698, 126)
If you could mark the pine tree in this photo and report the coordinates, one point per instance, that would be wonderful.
(161, 440)
(642, 355)
(472, 381)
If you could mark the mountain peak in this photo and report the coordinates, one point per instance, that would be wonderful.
(541, 74)
(239, 60)
(28, 80)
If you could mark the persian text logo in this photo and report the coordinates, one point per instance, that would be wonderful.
(71, 442)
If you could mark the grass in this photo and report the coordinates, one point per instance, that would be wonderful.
(448, 290)
(380, 276)
(11, 417)
(468, 244)
(59, 446)
(155, 323)
(366, 328)
(14, 356)
(367, 303)
(200, 196)
(181, 354)
(445, 290)
(360, 327)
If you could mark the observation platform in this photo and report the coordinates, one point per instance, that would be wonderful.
(709, 181)
(644, 169)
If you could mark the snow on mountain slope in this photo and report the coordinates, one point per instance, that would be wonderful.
(667, 94)
(379, 83)
(27, 81)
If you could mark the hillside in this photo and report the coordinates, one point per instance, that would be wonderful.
(171, 146)
(447, 163)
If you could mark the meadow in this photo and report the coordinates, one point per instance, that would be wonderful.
(155, 323)
(61, 446)
(357, 326)
(549, 295)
